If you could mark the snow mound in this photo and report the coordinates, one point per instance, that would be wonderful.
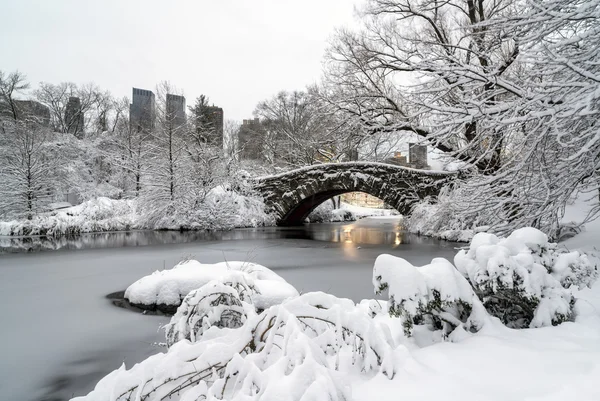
(169, 287)
(524, 279)
(435, 294)
(299, 350)
(317, 346)
(219, 303)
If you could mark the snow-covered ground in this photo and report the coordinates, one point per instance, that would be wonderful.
(317, 346)
(325, 212)
(61, 335)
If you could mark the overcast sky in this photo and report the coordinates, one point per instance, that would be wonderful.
(237, 52)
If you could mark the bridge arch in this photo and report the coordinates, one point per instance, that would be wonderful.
(294, 194)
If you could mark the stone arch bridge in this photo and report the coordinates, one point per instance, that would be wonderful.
(294, 194)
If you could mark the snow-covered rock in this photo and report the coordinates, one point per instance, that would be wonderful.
(167, 288)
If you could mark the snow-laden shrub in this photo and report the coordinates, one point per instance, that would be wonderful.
(224, 303)
(294, 351)
(96, 215)
(438, 218)
(221, 208)
(435, 295)
(524, 279)
(166, 289)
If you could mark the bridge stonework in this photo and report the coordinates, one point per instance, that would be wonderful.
(294, 194)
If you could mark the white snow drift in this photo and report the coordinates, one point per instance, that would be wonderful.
(169, 287)
(433, 329)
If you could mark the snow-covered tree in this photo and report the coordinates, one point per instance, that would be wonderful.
(296, 132)
(507, 87)
(56, 98)
(30, 168)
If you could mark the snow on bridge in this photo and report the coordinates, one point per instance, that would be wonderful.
(294, 194)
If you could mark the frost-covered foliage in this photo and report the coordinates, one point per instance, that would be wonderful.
(524, 279)
(167, 288)
(435, 294)
(509, 87)
(222, 209)
(299, 350)
(97, 215)
(439, 218)
(224, 303)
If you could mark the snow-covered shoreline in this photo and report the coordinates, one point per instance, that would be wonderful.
(225, 210)
(225, 343)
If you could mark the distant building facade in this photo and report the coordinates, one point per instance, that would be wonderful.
(142, 110)
(27, 110)
(250, 139)
(176, 110)
(74, 117)
(214, 119)
(417, 157)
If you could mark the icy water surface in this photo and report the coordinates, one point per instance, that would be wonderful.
(61, 334)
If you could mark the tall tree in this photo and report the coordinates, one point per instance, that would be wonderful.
(431, 68)
(296, 133)
(56, 97)
(11, 85)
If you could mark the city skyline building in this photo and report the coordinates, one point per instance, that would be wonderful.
(142, 110)
(250, 139)
(176, 110)
(214, 118)
(74, 117)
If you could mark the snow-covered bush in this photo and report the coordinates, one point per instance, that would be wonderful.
(435, 294)
(438, 218)
(96, 215)
(166, 289)
(222, 303)
(524, 279)
(295, 351)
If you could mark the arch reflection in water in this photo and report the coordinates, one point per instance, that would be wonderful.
(373, 231)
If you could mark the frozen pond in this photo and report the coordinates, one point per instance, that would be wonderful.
(61, 334)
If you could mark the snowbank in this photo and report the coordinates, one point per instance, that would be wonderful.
(166, 289)
(222, 209)
(97, 215)
(316, 346)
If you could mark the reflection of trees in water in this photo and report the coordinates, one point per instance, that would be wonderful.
(347, 233)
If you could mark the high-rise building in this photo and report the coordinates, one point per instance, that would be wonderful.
(176, 110)
(214, 118)
(142, 110)
(74, 118)
(417, 155)
(250, 139)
